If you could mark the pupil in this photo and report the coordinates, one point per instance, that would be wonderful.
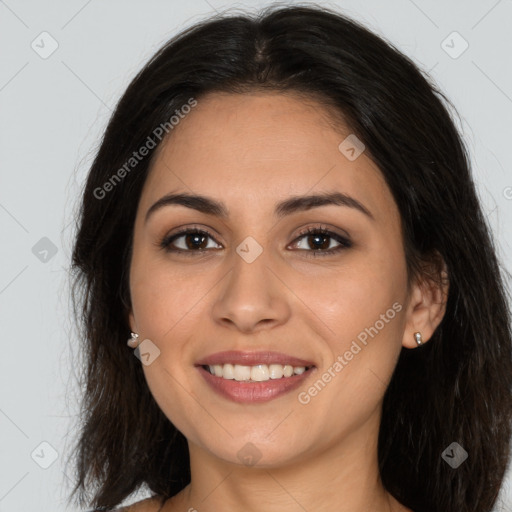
(320, 237)
(197, 238)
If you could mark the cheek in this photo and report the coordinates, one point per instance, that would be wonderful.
(358, 294)
(166, 308)
(364, 311)
(363, 307)
(161, 296)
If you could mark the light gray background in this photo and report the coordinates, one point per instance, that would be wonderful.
(52, 113)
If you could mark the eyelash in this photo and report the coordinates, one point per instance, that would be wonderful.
(344, 242)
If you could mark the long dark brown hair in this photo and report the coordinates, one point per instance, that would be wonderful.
(455, 388)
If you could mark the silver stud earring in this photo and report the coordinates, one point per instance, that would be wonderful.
(132, 342)
(417, 337)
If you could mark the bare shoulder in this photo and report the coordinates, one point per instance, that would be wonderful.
(152, 504)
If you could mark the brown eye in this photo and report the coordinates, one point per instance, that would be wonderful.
(319, 240)
(187, 241)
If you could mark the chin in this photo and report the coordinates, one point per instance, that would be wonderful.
(255, 451)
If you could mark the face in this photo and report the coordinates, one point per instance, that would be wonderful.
(322, 283)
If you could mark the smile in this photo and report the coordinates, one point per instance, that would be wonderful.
(255, 391)
(257, 373)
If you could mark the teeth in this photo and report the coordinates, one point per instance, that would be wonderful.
(227, 371)
(276, 371)
(257, 373)
(242, 372)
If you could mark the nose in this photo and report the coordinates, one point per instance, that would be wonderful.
(252, 297)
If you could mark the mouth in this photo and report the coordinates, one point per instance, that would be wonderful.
(254, 376)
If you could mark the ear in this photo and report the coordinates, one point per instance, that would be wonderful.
(131, 321)
(427, 302)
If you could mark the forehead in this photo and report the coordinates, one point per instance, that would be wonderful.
(264, 146)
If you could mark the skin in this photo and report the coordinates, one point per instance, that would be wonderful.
(252, 151)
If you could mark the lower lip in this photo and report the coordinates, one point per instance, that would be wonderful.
(249, 392)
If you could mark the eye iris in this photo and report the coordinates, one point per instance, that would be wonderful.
(317, 237)
(197, 238)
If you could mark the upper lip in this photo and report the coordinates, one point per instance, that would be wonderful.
(252, 358)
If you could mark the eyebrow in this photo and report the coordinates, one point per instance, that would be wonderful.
(294, 204)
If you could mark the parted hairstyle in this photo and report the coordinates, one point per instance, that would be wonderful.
(455, 388)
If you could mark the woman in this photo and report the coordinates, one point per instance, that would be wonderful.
(281, 213)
